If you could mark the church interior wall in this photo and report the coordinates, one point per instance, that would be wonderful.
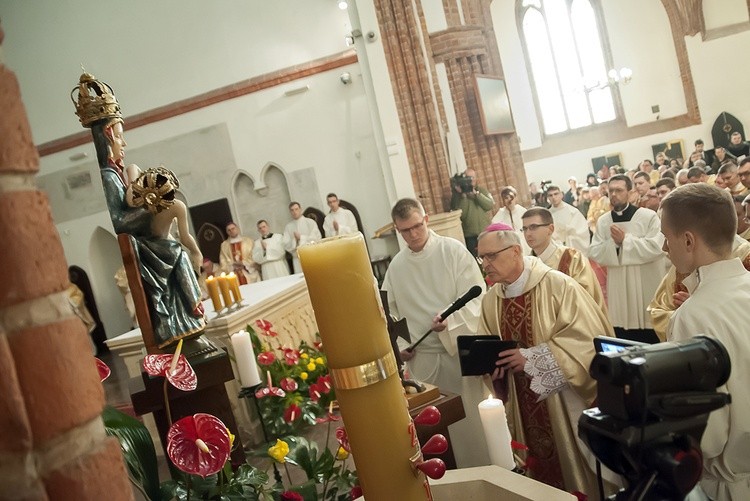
(158, 53)
(656, 80)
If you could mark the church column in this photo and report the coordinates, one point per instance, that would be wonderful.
(466, 47)
(52, 439)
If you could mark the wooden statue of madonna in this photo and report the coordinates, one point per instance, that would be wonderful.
(143, 206)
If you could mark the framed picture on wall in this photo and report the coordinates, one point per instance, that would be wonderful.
(494, 106)
(609, 160)
(673, 149)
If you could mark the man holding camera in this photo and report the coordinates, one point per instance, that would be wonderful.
(475, 203)
(699, 223)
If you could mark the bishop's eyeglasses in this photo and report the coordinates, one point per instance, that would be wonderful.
(533, 227)
(491, 256)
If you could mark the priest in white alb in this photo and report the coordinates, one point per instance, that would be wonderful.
(269, 253)
(511, 213)
(628, 243)
(298, 232)
(571, 228)
(699, 224)
(422, 280)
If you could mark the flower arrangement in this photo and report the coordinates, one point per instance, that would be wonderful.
(298, 395)
(299, 392)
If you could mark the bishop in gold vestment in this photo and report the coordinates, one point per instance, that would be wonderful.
(547, 380)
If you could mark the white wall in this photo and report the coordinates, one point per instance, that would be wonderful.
(327, 128)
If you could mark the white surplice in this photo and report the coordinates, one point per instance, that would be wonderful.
(571, 228)
(272, 259)
(308, 232)
(634, 270)
(421, 285)
(718, 307)
(345, 218)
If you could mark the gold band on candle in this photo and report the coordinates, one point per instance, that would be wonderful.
(351, 378)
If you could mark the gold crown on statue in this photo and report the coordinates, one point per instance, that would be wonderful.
(94, 100)
(154, 189)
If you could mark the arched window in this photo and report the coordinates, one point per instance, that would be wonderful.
(564, 51)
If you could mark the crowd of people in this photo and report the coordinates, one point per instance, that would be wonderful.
(658, 253)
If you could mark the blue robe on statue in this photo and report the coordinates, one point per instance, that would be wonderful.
(170, 284)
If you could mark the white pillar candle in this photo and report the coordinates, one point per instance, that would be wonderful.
(496, 432)
(245, 359)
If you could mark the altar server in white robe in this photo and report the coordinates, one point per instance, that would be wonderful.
(571, 228)
(699, 224)
(512, 214)
(338, 221)
(269, 253)
(628, 241)
(298, 232)
(422, 281)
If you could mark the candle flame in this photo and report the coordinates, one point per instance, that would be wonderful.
(201, 445)
(175, 357)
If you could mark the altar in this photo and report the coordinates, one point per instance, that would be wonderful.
(282, 301)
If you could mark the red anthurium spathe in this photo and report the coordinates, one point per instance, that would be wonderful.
(329, 417)
(288, 384)
(266, 327)
(291, 496)
(291, 357)
(315, 392)
(324, 384)
(103, 369)
(266, 358)
(270, 389)
(199, 444)
(182, 377)
(343, 438)
(292, 413)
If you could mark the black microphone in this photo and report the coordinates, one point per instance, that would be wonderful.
(457, 305)
(461, 302)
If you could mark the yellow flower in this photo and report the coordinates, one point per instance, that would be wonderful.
(303, 376)
(231, 439)
(341, 454)
(279, 451)
(319, 361)
(304, 356)
(311, 366)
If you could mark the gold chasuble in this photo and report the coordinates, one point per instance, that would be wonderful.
(553, 309)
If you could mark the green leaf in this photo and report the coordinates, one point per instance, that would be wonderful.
(308, 490)
(137, 450)
(250, 476)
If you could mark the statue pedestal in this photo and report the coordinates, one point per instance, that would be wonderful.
(213, 370)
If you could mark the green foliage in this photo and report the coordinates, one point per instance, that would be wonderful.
(137, 450)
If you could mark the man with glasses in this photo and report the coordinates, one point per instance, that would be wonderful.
(538, 227)
(571, 228)
(628, 242)
(546, 380)
(422, 281)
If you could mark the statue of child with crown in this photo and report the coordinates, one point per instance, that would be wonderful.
(143, 205)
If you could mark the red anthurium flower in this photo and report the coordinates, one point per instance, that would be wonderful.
(343, 439)
(291, 496)
(324, 384)
(183, 377)
(103, 369)
(266, 327)
(288, 384)
(198, 444)
(318, 345)
(292, 413)
(291, 357)
(355, 492)
(328, 417)
(270, 389)
(518, 446)
(315, 392)
(266, 358)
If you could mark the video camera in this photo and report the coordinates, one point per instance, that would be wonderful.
(463, 182)
(654, 402)
(544, 185)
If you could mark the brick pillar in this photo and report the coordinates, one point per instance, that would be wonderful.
(52, 439)
(467, 47)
